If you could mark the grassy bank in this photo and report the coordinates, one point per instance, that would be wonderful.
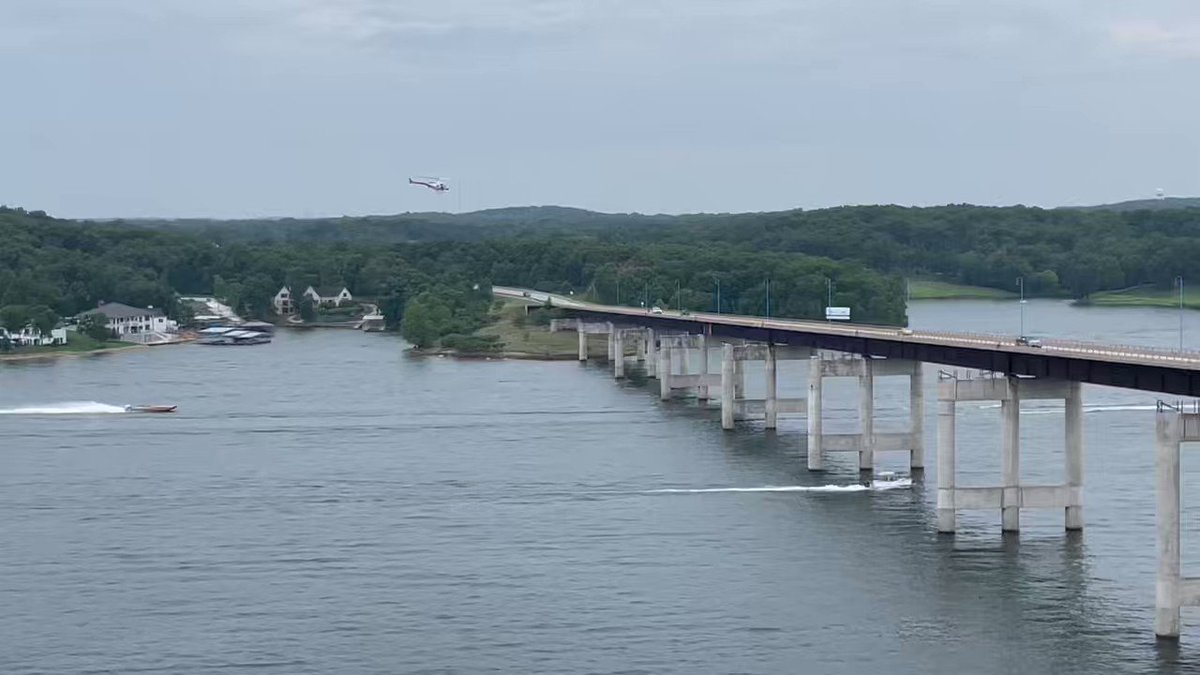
(922, 289)
(522, 338)
(76, 344)
(1145, 296)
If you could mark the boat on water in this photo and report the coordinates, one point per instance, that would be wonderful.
(228, 335)
(151, 408)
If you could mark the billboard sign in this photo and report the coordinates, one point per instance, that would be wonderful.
(837, 313)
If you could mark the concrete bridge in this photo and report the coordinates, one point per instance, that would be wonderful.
(668, 344)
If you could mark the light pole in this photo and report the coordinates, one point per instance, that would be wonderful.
(678, 302)
(1179, 280)
(1021, 286)
(618, 288)
(646, 295)
(829, 292)
(768, 297)
(718, 280)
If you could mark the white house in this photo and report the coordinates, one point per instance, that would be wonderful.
(32, 337)
(124, 320)
(333, 295)
(284, 302)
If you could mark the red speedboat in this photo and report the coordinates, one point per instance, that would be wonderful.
(151, 408)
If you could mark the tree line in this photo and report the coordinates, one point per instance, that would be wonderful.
(436, 289)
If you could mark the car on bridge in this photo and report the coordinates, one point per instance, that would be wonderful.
(1026, 341)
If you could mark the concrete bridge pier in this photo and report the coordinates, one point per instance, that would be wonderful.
(734, 404)
(868, 441)
(616, 342)
(680, 348)
(1172, 590)
(1011, 496)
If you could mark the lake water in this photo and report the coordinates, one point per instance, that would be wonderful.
(328, 504)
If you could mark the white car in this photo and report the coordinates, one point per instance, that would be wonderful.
(656, 310)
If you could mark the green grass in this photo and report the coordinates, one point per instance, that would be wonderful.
(1145, 296)
(921, 289)
(76, 343)
(528, 339)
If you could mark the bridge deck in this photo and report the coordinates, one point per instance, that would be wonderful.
(1132, 367)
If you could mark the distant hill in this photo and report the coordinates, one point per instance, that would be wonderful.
(1165, 204)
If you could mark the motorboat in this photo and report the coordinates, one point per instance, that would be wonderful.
(151, 408)
(227, 335)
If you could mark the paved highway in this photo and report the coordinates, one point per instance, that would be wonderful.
(1134, 355)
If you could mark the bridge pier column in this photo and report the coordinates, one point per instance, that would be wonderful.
(771, 412)
(866, 416)
(727, 375)
(1166, 595)
(651, 353)
(583, 344)
(1074, 455)
(1010, 411)
(702, 390)
(664, 369)
(815, 380)
(610, 342)
(916, 417)
(946, 449)
(617, 339)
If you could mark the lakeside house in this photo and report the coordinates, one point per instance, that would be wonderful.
(135, 324)
(283, 302)
(286, 303)
(30, 336)
(330, 295)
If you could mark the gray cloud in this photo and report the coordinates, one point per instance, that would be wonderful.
(244, 107)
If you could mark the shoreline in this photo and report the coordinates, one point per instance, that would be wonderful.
(70, 354)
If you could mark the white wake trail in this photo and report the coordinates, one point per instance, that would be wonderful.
(856, 487)
(66, 408)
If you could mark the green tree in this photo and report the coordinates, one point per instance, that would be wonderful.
(95, 326)
(426, 319)
(15, 317)
(308, 311)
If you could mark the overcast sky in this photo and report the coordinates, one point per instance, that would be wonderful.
(324, 107)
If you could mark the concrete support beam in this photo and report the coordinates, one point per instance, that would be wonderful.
(1166, 594)
(1010, 459)
(866, 416)
(617, 340)
(916, 418)
(664, 371)
(727, 375)
(946, 449)
(610, 342)
(583, 346)
(651, 356)
(702, 389)
(1074, 454)
(815, 381)
(770, 411)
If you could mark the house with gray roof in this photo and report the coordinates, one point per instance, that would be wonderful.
(126, 321)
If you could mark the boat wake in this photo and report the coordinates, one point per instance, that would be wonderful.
(875, 486)
(1058, 410)
(66, 408)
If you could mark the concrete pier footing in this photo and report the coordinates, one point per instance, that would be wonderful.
(1012, 495)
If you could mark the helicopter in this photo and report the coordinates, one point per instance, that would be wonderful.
(435, 184)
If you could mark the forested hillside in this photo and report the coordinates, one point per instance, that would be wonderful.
(70, 267)
(1057, 252)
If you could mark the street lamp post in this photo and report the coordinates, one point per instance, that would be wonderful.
(1021, 286)
(718, 295)
(768, 297)
(618, 289)
(829, 296)
(1179, 281)
(678, 302)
